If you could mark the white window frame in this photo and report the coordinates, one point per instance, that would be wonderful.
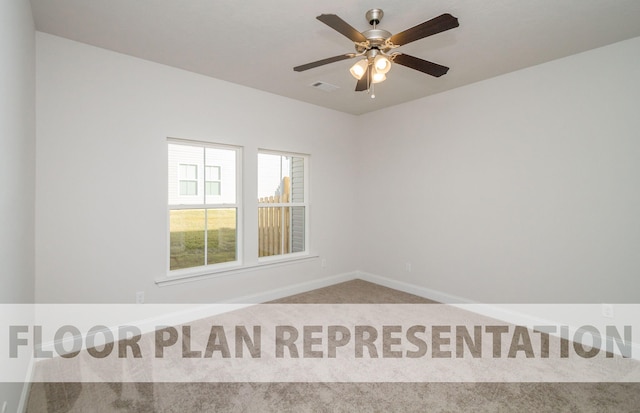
(209, 268)
(307, 247)
(242, 263)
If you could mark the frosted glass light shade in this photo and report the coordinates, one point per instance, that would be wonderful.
(378, 77)
(382, 64)
(359, 69)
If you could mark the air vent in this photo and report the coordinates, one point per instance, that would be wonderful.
(324, 86)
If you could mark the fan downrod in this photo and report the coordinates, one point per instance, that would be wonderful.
(374, 16)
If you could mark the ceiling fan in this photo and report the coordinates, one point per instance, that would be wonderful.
(377, 47)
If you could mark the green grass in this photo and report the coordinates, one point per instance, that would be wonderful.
(187, 239)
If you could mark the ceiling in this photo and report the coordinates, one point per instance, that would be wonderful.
(256, 43)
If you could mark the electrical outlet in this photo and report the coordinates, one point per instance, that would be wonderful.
(4, 407)
(607, 310)
(407, 267)
(140, 297)
(323, 263)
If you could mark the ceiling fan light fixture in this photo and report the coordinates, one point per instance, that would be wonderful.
(376, 47)
(359, 69)
(377, 76)
(382, 64)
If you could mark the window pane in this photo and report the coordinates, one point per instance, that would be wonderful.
(281, 177)
(297, 229)
(281, 230)
(274, 177)
(202, 177)
(221, 171)
(188, 188)
(192, 188)
(221, 235)
(186, 234)
(270, 230)
(189, 171)
(212, 173)
(297, 179)
(186, 164)
(212, 188)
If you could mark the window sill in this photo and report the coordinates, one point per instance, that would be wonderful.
(221, 272)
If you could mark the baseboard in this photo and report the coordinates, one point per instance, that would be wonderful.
(496, 311)
(169, 316)
(198, 312)
(282, 292)
(423, 292)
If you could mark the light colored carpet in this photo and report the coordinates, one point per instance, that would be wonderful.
(336, 397)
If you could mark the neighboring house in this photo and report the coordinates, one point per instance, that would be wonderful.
(190, 177)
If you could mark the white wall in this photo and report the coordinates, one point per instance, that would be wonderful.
(17, 157)
(103, 119)
(521, 188)
(17, 164)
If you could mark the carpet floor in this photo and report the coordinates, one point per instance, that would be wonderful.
(336, 397)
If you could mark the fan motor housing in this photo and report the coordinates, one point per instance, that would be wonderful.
(376, 38)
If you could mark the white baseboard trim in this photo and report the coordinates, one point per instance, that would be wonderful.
(192, 313)
(199, 312)
(423, 292)
(496, 311)
(282, 292)
(205, 310)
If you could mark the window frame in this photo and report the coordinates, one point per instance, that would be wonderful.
(247, 248)
(292, 256)
(238, 206)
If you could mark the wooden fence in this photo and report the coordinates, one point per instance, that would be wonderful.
(274, 224)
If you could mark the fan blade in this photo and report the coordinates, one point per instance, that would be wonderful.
(436, 25)
(341, 26)
(363, 83)
(326, 61)
(423, 66)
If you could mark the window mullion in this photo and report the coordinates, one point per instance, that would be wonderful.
(283, 230)
(206, 236)
(204, 201)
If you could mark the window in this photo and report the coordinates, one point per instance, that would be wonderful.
(203, 205)
(212, 180)
(205, 209)
(188, 179)
(282, 204)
